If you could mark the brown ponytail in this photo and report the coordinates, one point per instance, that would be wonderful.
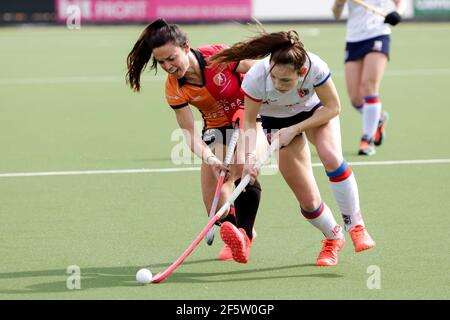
(284, 48)
(155, 35)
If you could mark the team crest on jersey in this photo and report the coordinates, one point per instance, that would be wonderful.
(219, 79)
(303, 92)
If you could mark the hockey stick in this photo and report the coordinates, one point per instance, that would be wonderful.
(237, 191)
(230, 152)
(370, 8)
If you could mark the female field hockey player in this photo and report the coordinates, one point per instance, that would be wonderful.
(293, 92)
(215, 92)
(366, 56)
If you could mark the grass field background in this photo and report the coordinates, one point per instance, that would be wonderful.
(64, 106)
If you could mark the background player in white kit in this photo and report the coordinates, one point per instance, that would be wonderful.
(293, 92)
(367, 53)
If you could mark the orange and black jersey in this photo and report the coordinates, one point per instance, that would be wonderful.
(217, 98)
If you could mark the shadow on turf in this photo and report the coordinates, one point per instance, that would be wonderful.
(108, 277)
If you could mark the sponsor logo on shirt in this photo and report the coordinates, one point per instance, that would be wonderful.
(227, 105)
(270, 101)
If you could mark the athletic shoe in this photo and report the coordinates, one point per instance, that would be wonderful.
(382, 123)
(237, 240)
(361, 238)
(329, 254)
(225, 253)
(366, 147)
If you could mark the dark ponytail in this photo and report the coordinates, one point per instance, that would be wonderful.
(284, 48)
(155, 35)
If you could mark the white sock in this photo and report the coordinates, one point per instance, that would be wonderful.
(323, 219)
(371, 115)
(346, 194)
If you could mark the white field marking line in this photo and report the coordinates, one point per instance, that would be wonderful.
(80, 79)
(100, 79)
(187, 169)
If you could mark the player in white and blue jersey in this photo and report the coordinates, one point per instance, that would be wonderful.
(292, 90)
(366, 56)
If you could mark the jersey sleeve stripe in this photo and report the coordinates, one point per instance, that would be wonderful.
(323, 81)
(179, 106)
(236, 66)
(249, 96)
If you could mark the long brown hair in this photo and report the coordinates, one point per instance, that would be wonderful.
(155, 35)
(284, 47)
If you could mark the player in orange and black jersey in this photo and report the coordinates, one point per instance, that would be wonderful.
(215, 92)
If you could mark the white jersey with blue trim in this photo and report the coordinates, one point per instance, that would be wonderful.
(258, 85)
(363, 24)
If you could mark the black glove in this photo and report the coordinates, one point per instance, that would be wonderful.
(393, 18)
